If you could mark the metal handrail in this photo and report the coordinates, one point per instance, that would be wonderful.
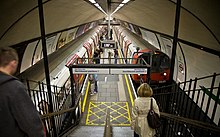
(201, 78)
(108, 128)
(192, 122)
(62, 111)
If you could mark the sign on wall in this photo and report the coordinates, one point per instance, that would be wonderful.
(109, 71)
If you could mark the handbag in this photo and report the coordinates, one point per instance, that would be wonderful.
(153, 118)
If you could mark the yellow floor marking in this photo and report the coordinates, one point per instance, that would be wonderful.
(129, 88)
(117, 110)
(129, 117)
(81, 78)
(84, 101)
(87, 118)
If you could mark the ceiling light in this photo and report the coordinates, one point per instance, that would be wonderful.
(97, 5)
(121, 5)
(92, 1)
(125, 1)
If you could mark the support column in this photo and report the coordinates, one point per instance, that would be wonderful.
(109, 17)
(72, 85)
(175, 38)
(47, 74)
(109, 27)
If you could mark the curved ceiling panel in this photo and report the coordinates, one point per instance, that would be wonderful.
(59, 14)
(207, 11)
(13, 10)
(159, 15)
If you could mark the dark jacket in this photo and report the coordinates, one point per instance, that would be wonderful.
(18, 116)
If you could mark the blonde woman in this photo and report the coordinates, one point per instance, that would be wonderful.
(140, 111)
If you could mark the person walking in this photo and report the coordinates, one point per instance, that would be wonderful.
(115, 55)
(109, 56)
(140, 111)
(18, 116)
(96, 56)
(93, 78)
(96, 83)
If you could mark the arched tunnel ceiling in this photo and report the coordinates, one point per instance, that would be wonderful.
(159, 15)
(59, 14)
(156, 15)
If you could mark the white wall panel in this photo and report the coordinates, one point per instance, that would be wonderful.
(27, 57)
(150, 37)
(38, 53)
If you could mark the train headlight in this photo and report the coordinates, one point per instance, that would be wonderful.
(164, 73)
(139, 74)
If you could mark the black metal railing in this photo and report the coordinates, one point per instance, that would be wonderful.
(111, 60)
(196, 99)
(71, 117)
(62, 99)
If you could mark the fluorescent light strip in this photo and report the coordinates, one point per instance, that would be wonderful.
(125, 1)
(98, 6)
(120, 5)
(92, 1)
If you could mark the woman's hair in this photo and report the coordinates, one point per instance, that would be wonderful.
(144, 90)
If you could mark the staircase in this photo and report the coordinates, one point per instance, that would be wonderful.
(98, 131)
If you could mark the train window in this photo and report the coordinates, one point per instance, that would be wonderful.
(155, 61)
(164, 62)
(146, 58)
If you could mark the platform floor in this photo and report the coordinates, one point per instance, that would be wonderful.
(108, 97)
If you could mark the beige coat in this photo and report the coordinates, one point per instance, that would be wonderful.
(139, 116)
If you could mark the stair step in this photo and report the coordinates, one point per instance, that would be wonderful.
(122, 132)
(88, 131)
(98, 131)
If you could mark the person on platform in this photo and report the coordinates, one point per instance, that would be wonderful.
(96, 56)
(93, 79)
(140, 111)
(109, 56)
(116, 55)
(18, 116)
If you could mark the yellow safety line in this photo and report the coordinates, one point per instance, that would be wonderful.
(84, 101)
(129, 88)
(129, 117)
(87, 118)
(81, 78)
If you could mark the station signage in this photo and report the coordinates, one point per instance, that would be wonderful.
(111, 44)
(129, 71)
(90, 71)
(107, 71)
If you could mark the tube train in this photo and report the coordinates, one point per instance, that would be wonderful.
(134, 47)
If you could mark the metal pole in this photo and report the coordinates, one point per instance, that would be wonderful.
(175, 39)
(109, 16)
(72, 85)
(47, 74)
(109, 28)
